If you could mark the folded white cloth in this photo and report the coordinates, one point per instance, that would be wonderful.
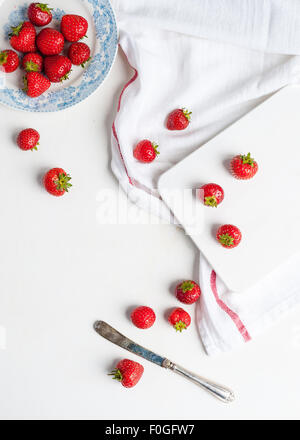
(220, 59)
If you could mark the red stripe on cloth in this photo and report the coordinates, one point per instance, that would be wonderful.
(119, 148)
(114, 126)
(235, 318)
(127, 85)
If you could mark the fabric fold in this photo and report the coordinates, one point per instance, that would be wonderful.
(271, 26)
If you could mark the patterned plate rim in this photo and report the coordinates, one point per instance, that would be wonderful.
(72, 104)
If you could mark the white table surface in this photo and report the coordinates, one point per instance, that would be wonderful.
(60, 270)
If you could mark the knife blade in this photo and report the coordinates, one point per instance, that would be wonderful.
(106, 331)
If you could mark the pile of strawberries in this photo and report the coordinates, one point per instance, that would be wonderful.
(43, 50)
(242, 167)
(187, 292)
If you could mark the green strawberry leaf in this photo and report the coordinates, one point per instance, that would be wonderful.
(226, 240)
(187, 286)
(63, 182)
(179, 326)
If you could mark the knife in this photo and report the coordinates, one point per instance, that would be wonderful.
(106, 331)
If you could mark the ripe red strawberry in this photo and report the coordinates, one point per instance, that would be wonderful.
(143, 317)
(73, 27)
(211, 194)
(50, 41)
(180, 319)
(179, 119)
(229, 236)
(22, 37)
(57, 182)
(128, 373)
(39, 14)
(146, 151)
(33, 62)
(35, 84)
(57, 68)
(188, 292)
(9, 61)
(244, 167)
(79, 54)
(28, 139)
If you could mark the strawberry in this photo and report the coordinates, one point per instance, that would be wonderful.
(143, 317)
(243, 167)
(128, 373)
(39, 14)
(229, 236)
(179, 319)
(9, 61)
(57, 182)
(33, 62)
(211, 194)
(35, 84)
(146, 151)
(188, 292)
(73, 27)
(57, 68)
(179, 119)
(50, 41)
(28, 139)
(22, 37)
(79, 54)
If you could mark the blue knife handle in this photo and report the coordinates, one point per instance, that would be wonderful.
(146, 354)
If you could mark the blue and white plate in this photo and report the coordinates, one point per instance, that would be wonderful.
(102, 39)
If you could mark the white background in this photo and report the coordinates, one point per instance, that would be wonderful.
(61, 269)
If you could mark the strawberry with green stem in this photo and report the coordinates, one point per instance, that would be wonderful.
(35, 84)
(57, 182)
(9, 61)
(179, 319)
(28, 139)
(229, 236)
(57, 68)
(79, 54)
(128, 373)
(146, 151)
(40, 14)
(188, 292)
(22, 37)
(179, 119)
(33, 62)
(243, 167)
(211, 194)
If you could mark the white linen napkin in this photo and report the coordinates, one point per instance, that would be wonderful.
(220, 59)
